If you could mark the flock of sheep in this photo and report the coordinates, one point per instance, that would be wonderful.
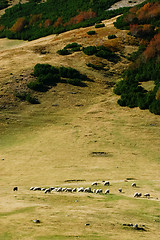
(86, 190)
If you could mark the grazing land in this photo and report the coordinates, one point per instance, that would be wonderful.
(53, 144)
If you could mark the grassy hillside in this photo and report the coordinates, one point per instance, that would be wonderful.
(58, 143)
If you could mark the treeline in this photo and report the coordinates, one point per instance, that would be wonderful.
(3, 4)
(142, 22)
(33, 19)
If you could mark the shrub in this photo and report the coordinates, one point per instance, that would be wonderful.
(91, 32)
(111, 36)
(72, 45)
(37, 86)
(43, 69)
(76, 82)
(63, 52)
(24, 96)
(155, 107)
(100, 25)
(90, 50)
(49, 79)
(71, 73)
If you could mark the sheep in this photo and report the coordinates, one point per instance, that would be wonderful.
(52, 188)
(147, 195)
(59, 189)
(94, 184)
(74, 190)
(43, 189)
(94, 190)
(137, 194)
(15, 189)
(31, 188)
(48, 190)
(68, 190)
(97, 191)
(120, 190)
(63, 189)
(36, 189)
(81, 189)
(88, 190)
(134, 184)
(100, 191)
(107, 191)
(106, 183)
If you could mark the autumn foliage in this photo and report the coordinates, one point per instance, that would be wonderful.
(149, 10)
(35, 18)
(18, 26)
(58, 22)
(81, 17)
(47, 23)
(141, 30)
(153, 49)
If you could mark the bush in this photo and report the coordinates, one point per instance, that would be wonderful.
(96, 67)
(100, 25)
(43, 69)
(37, 86)
(24, 96)
(91, 32)
(90, 50)
(155, 107)
(111, 36)
(49, 79)
(72, 45)
(71, 73)
(63, 52)
(76, 82)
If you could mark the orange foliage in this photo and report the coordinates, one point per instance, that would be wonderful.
(135, 30)
(1, 27)
(153, 49)
(35, 18)
(58, 22)
(149, 10)
(47, 23)
(18, 26)
(81, 17)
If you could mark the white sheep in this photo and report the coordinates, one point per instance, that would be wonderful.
(107, 191)
(106, 183)
(94, 184)
(134, 184)
(88, 190)
(147, 195)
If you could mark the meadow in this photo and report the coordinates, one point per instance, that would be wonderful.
(52, 144)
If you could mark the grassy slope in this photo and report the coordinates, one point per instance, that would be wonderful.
(46, 145)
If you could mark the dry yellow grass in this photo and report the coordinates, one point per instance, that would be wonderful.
(45, 145)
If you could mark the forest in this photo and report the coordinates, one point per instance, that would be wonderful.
(143, 23)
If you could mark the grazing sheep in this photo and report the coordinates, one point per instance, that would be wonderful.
(100, 191)
(120, 190)
(94, 190)
(137, 194)
(106, 183)
(97, 191)
(31, 188)
(59, 189)
(88, 190)
(36, 189)
(52, 188)
(94, 184)
(43, 189)
(15, 189)
(63, 189)
(74, 190)
(134, 184)
(81, 189)
(107, 191)
(68, 190)
(147, 195)
(48, 190)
